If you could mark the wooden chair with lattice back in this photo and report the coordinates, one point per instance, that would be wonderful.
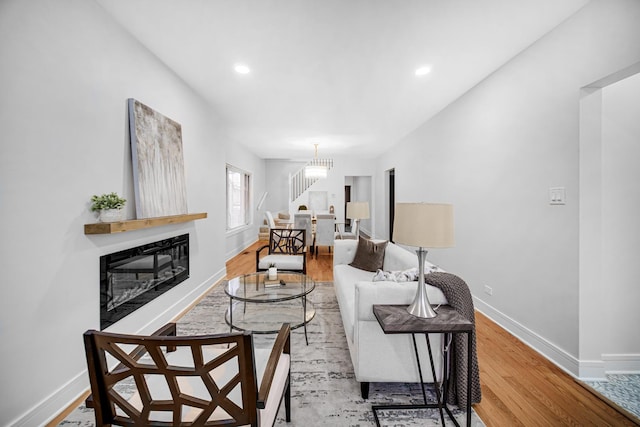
(287, 251)
(205, 380)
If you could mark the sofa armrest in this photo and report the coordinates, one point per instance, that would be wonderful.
(344, 251)
(370, 293)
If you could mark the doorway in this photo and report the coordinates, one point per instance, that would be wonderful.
(347, 199)
(609, 207)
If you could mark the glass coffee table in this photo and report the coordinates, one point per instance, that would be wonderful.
(261, 306)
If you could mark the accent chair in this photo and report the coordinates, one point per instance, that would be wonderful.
(287, 250)
(187, 381)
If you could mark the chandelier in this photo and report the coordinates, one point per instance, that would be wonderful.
(316, 168)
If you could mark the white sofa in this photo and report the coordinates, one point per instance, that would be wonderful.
(378, 357)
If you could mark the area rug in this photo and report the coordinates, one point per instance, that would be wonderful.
(323, 385)
(623, 390)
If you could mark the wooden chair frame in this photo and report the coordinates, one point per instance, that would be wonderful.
(103, 380)
(285, 241)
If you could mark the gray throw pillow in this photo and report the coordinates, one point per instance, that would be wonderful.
(369, 255)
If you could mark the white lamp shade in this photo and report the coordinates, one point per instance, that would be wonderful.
(358, 210)
(425, 225)
(315, 171)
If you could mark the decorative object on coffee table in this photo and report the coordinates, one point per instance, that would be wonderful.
(425, 225)
(273, 271)
(109, 207)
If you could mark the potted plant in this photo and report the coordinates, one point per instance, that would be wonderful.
(272, 273)
(109, 206)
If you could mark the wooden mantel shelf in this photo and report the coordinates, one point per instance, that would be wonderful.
(138, 224)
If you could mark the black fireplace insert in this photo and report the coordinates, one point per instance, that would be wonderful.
(131, 278)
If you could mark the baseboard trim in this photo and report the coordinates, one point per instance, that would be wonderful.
(239, 249)
(60, 400)
(42, 412)
(554, 354)
(621, 363)
(591, 370)
(584, 370)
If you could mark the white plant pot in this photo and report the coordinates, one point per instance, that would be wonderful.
(272, 274)
(111, 215)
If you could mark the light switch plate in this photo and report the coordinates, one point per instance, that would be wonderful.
(557, 196)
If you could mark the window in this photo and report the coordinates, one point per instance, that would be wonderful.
(238, 191)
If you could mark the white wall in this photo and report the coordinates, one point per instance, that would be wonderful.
(495, 153)
(277, 176)
(67, 71)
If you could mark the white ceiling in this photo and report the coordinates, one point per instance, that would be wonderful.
(339, 73)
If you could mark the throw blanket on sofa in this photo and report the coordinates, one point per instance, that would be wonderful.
(459, 297)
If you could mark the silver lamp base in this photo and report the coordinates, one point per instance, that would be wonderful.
(420, 307)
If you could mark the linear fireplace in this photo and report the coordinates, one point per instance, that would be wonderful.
(131, 278)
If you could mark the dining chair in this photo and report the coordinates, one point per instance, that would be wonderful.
(202, 380)
(270, 221)
(304, 221)
(325, 231)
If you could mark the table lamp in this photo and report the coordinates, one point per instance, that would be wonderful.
(357, 211)
(425, 225)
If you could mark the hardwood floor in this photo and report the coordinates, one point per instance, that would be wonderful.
(519, 386)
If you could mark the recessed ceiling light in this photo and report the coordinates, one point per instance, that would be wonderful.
(241, 69)
(423, 70)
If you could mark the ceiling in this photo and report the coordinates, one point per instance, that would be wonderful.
(338, 73)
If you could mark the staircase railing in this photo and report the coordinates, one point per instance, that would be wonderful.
(298, 183)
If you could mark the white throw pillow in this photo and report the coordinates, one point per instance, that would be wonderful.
(410, 275)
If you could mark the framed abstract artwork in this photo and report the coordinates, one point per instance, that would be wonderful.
(158, 163)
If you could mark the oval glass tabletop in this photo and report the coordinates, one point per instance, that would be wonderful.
(257, 288)
(260, 305)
